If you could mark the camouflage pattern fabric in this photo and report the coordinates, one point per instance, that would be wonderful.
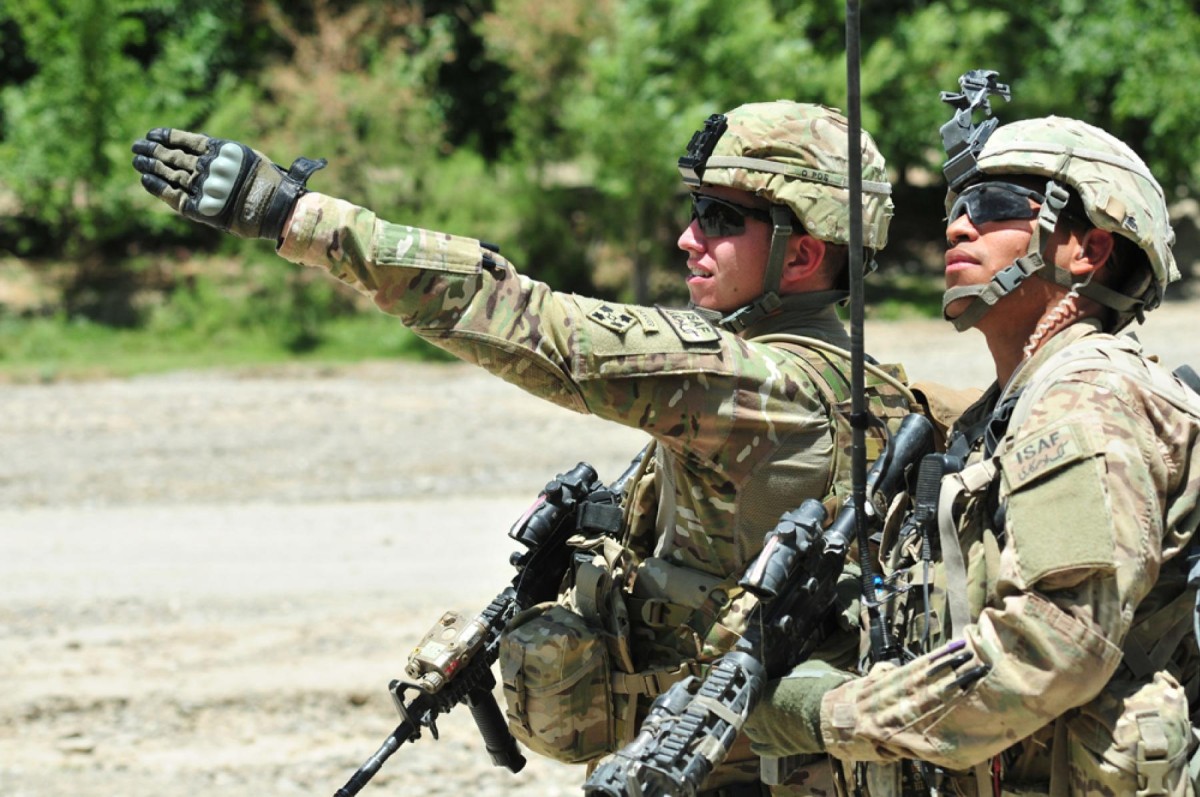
(568, 716)
(1118, 190)
(743, 433)
(1099, 507)
(805, 147)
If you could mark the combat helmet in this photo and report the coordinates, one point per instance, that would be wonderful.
(1117, 190)
(796, 156)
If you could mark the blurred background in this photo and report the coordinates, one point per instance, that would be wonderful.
(550, 127)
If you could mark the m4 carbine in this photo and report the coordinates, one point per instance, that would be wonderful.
(691, 728)
(452, 664)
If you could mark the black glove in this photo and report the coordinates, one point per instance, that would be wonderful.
(221, 183)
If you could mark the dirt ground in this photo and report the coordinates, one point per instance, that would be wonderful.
(208, 579)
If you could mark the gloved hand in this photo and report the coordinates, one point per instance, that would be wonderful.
(787, 721)
(221, 183)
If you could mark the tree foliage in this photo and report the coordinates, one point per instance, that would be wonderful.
(549, 126)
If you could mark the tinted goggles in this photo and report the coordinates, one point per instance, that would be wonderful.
(720, 217)
(995, 201)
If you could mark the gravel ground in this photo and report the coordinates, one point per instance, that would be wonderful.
(207, 579)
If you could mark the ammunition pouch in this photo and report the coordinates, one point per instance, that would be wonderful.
(555, 671)
(1131, 741)
(566, 666)
(572, 690)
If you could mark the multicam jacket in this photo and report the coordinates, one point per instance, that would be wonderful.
(1061, 673)
(747, 429)
(743, 429)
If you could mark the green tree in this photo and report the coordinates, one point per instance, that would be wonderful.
(666, 65)
(99, 69)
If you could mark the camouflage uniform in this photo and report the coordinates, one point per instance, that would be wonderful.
(1061, 675)
(1056, 655)
(743, 430)
(746, 412)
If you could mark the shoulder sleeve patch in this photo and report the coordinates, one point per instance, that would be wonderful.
(689, 325)
(1044, 452)
(615, 318)
(648, 318)
(1058, 517)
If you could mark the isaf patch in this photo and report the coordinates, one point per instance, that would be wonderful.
(689, 325)
(1043, 453)
(609, 317)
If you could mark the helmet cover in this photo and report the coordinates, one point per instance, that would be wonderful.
(1117, 189)
(794, 154)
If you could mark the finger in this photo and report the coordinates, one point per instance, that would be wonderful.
(165, 191)
(172, 157)
(152, 166)
(195, 143)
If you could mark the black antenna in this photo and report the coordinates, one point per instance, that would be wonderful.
(859, 418)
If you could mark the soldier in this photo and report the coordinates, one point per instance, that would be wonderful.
(1052, 652)
(741, 393)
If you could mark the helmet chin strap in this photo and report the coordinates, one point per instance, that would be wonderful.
(984, 297)
(768, 302)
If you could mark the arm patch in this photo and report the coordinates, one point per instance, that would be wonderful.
(1058, 518)
(1044, 452)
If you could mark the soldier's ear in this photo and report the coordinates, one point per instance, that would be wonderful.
(805, 255)
(1091, 252)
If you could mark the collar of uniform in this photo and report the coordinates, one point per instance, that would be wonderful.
(809, 314)
(1026, 370)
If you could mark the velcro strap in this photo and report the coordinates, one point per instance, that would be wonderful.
(968, 481)
(718, 708)
(591, 583)
(653, 683)
(605, 518)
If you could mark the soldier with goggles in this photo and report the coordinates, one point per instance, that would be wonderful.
(1044, 601)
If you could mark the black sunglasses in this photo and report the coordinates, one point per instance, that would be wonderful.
(996, 201)
(720, 218)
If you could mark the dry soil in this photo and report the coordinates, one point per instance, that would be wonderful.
(207, 579)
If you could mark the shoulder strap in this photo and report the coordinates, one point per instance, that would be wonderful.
(826, 365)
(808, 348)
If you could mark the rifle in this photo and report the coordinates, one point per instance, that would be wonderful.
(691, 728)
(452, 663)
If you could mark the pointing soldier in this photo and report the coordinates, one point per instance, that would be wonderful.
(740, 392)
(1052, 651)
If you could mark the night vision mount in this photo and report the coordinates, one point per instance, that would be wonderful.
(962, 138)
(700, 148)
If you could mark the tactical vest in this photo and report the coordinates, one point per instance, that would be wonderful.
(1078, 753)
(639, 640)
